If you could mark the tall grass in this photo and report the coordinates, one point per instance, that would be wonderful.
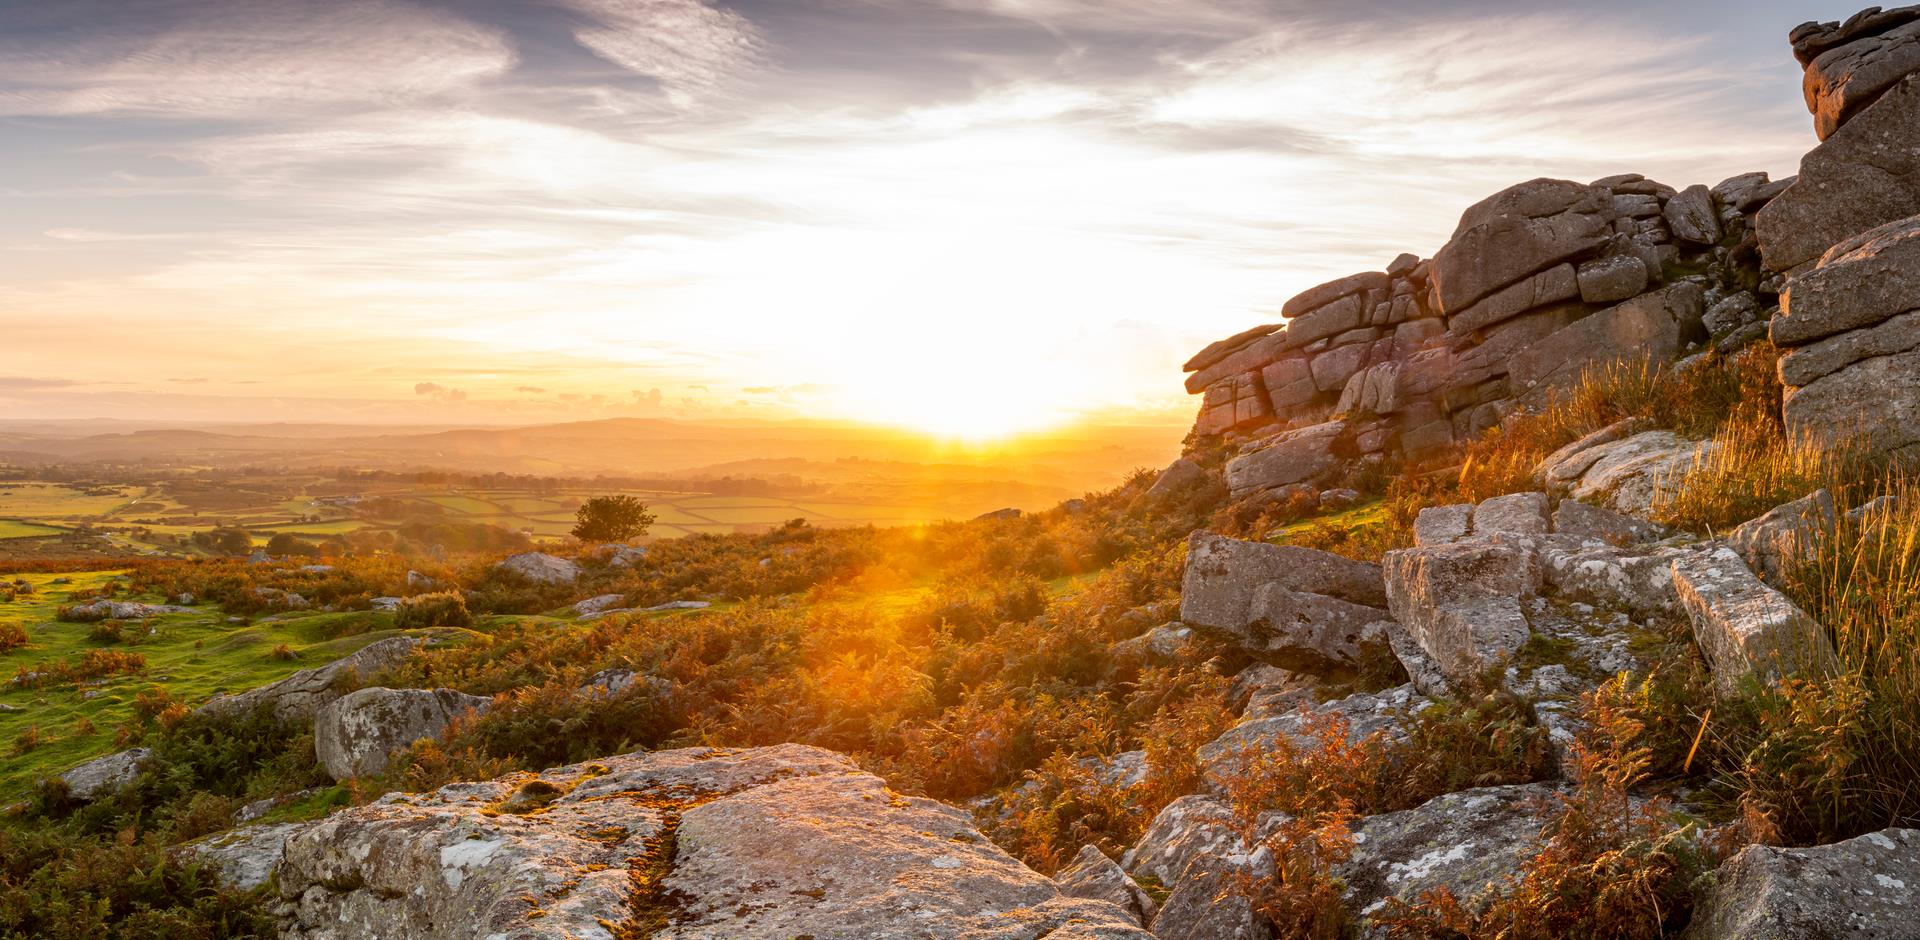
(1755, 465)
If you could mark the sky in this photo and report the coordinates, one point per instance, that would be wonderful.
(964, 216)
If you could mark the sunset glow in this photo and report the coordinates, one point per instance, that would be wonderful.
(1010, 215)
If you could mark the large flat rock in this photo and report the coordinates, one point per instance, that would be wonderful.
(1866, 888)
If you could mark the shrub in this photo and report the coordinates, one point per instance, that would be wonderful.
(106, 631)
(444, 609)
(12, 637)
(611, 519)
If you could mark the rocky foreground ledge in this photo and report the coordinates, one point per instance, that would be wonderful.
(775, 842)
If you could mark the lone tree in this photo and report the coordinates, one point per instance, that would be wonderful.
(611, 519)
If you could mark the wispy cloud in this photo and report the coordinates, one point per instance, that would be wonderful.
(688, 46)
(238, 58)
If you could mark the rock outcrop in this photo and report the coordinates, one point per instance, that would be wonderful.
(774, 843)
(1295, 603)
(1865, 887)
(1852, 335)
(540, 568)
(104, 776)
(357, 734)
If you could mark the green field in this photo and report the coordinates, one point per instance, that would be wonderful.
(15, 529)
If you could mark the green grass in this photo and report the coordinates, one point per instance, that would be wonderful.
(53, 500)
(193, 655)
(15, 529)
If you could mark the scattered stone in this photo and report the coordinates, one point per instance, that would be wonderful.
(1744, 628)
(1095, 877)
(1364, 713)
(1196, 849)
(244, 858)
(541, 568)
(1573, 517)
(1773, 541)
(103, 776)
(1461, 841)
(1461, 600)
(1523, 514)
(356, 735)
(1862, 888)
(598, 604)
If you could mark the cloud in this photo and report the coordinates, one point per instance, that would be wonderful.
(439, 392)
(530, 390)
(22, 383)
(239, 58)
(690, 48)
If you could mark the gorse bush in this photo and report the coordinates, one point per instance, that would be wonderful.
(441, 609)
(12, 637)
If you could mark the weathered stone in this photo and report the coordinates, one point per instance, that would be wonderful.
(1223, 573)
(1222, 349)
(1863, 281)
(1461, 841)
(1289, 383)
(550, 856)
(1263, 690)
(1649, 328)
(1812, 39)
(598, 603)
(1294, 457)
(1332, 369)
(1374, 390)
(244, 858)
(1630, 475)
(1306, 628)
(1772, 542)
(1249, 358)
(1181, 477)
(1691, 218)
(1634, 579)
(107, 609)
(1615, 277)
(297, 697)
(1862, 889)
(1877, 399)
(1867, 174)
(1573, 517)
(540, 568)
(1319, 296)
(1363, 713)
(1806, 364)
(1461, 600)
(1515, 233)
(1565, 466)
(1734, 310)
(1513, 514)
(1744, 628)
(1438, 525)
(1731, 190)
(356, 735)
(1196, 848)
(104, 776)
(1844, 80)
(1554, 284)
(1635, 206)
(1341, 315)
(1095, 877)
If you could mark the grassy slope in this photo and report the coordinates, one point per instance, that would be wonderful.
(193, 655)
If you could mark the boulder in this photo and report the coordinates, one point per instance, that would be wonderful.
(1743, 627)
(1633, 475)
(1462, 841)
(1691, 218)
(299, 696)
(1365, 714)
(1513, 514)
(1844, 80)
(1319, 296)
(1575, 518)
(1181, 477)
(626, 556)
(104, 609)
(1461, 600)
(1438, 525)
(1812, 39)
(774, 842)
(1373, 390)
(1516, 233)
(1296, 456)
(1867, 174)
(1196, 849)
(1649, 328)
(1637, 579)
(1554, 284)
(598, 604)
(1613, 278)
(244, 858)
(104, 776)
(1095, 877)
(540, 568)
(1878, 399)
(1807, 364)
(1565, 466)
(1774, 540)
(356, 735)
(1164, 643)
(1865, 887)
(1223, 574)
(1862, 281)
(1222, 349)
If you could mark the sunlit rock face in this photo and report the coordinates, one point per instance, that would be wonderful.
(1539, 282)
